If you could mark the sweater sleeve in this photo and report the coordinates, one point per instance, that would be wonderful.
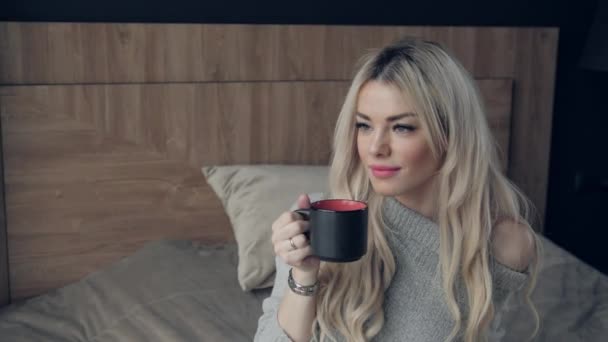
(268, 324)
(506, 281)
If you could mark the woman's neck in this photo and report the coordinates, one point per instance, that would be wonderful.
(422, 199)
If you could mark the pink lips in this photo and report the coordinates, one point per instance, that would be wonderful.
(380, 171)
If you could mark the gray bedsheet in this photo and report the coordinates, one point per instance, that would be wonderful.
(571, 298)
(178, 291)
(167, 291)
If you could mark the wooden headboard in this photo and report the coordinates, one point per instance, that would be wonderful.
(105, 126)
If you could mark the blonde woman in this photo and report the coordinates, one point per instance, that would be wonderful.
(449, 237)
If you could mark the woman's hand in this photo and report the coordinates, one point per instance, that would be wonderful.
(288, 232)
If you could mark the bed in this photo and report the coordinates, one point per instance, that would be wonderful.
(143, 163)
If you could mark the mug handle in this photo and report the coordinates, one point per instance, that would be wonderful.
(305, 213)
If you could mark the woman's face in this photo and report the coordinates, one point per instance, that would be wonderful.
(392, 144)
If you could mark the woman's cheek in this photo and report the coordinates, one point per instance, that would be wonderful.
(415, 152)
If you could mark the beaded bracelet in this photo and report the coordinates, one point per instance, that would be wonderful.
(299, 289)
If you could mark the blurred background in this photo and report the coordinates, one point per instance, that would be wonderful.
(577, 198)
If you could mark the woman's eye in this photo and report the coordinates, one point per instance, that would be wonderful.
(362, 126)
(403, 128)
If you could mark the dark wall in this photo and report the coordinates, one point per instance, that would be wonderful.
(578, 185)
(578, 153)
(433, 12)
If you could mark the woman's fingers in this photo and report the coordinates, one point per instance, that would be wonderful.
(299, 241)
(288, 238)
(290, 230)
(283, 220)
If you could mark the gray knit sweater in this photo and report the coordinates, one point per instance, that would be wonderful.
(414, 304)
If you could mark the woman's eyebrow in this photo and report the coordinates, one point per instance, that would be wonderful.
(390, 118)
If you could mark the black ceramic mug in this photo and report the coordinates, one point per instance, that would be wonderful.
(337, 230)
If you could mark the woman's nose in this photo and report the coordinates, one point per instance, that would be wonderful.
(380, 145)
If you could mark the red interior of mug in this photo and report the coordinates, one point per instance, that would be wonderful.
(339, 205)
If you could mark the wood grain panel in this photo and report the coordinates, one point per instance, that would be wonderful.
(95, 171)
(533, 114)
(81, 197)
(51, 53)
(73, 211)
(217, 123)
(32, 53)
(4, 261)
(497, 96)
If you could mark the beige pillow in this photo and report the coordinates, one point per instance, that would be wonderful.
(253, 197)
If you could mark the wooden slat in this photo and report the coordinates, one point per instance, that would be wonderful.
(219, 123)
(4, 260)
(51, 53)
(533, 113)
(497, 95)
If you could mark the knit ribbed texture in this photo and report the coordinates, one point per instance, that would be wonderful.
(414, 305)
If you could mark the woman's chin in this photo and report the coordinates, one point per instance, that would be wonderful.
(384, 190)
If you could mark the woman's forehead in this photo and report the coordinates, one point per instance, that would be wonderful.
(379, 99)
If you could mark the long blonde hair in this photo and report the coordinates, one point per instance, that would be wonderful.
(473, 197)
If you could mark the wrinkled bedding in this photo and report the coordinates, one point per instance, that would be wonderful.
(571, 298)
(167, 291)
(181, 291)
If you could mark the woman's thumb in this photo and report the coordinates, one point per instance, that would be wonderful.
(303, 201)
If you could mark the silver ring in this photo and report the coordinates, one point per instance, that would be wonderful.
(293, 245)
